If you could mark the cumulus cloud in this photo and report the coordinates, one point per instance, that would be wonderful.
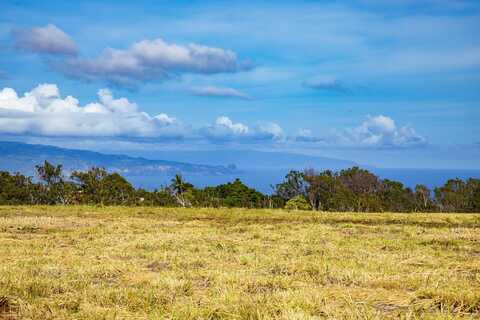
(380, 131)
(305, 135)
(48, 39)
(325, 84)
(375, 132)
(224, 129)
(269, 131)
(153, 60)
(42, 111)
(211, 91)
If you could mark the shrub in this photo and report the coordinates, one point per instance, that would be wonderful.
(298, 203)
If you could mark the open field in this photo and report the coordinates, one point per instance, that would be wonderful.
(149, 263)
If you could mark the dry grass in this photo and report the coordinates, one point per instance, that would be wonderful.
(144, 263)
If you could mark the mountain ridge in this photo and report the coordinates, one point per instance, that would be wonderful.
(22, 157)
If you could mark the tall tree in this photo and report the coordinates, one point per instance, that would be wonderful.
(423, 198)
(292, 186)
(179, 189)
(55, 189)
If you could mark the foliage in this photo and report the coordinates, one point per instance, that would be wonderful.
(298, 203)
(352, 189)
(294, 185)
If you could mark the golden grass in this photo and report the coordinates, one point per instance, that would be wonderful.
(155, 263)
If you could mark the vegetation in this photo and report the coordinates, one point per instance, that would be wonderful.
(353, 189)
(298, 203)
(84, 262)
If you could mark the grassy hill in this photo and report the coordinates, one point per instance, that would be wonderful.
(148, 263)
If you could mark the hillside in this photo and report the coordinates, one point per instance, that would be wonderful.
(251, 159)
(23, 157)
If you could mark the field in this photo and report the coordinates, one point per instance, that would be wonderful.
(154, 263)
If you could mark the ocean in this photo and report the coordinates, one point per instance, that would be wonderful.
(263, 179)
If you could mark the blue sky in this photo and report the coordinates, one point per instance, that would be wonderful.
(386, 83)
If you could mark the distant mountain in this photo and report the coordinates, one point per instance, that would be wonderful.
(250, 159)
(22, 157)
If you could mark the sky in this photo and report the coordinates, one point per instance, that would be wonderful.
(386, 83)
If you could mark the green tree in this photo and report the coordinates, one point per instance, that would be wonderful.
(293, 185)
(97, 186)
(473, 194)
(395, 197)
(17, 189)
(179, 188)
(423, 198)
(365, 187)
(452, 196)
(55, 190)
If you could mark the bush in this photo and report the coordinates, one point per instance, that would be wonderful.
(298, 203)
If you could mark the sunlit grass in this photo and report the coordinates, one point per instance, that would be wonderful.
(117, 263)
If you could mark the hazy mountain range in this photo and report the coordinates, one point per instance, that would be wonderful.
(23, 157)
(152, 169)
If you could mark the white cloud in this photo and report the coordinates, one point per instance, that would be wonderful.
(48, 39)
(380, 131)
(375, 132)
(211, 91)
(42, 111)
(269, 131)
(224, 129)
(306, 135)
(153, 59)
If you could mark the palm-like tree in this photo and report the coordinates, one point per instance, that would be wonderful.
(179, 186)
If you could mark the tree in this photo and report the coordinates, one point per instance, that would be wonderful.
(365, 187)
(320, 188)
(97, 186)
(395, 197)
(55, 189)
(452, 196)
(423, 199)
(179, 188)
(473, 194)
(17, 189)
(118, 191)
(91, 185)
(237, 194)
(293, 185)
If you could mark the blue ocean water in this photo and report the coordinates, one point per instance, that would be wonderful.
(263, 179)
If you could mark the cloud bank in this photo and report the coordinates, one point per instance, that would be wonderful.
(45, 40)
(42, 111)
(375, 132)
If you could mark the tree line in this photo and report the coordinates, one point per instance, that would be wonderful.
(352, 189)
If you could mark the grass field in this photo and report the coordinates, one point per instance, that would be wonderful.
(146, 263)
